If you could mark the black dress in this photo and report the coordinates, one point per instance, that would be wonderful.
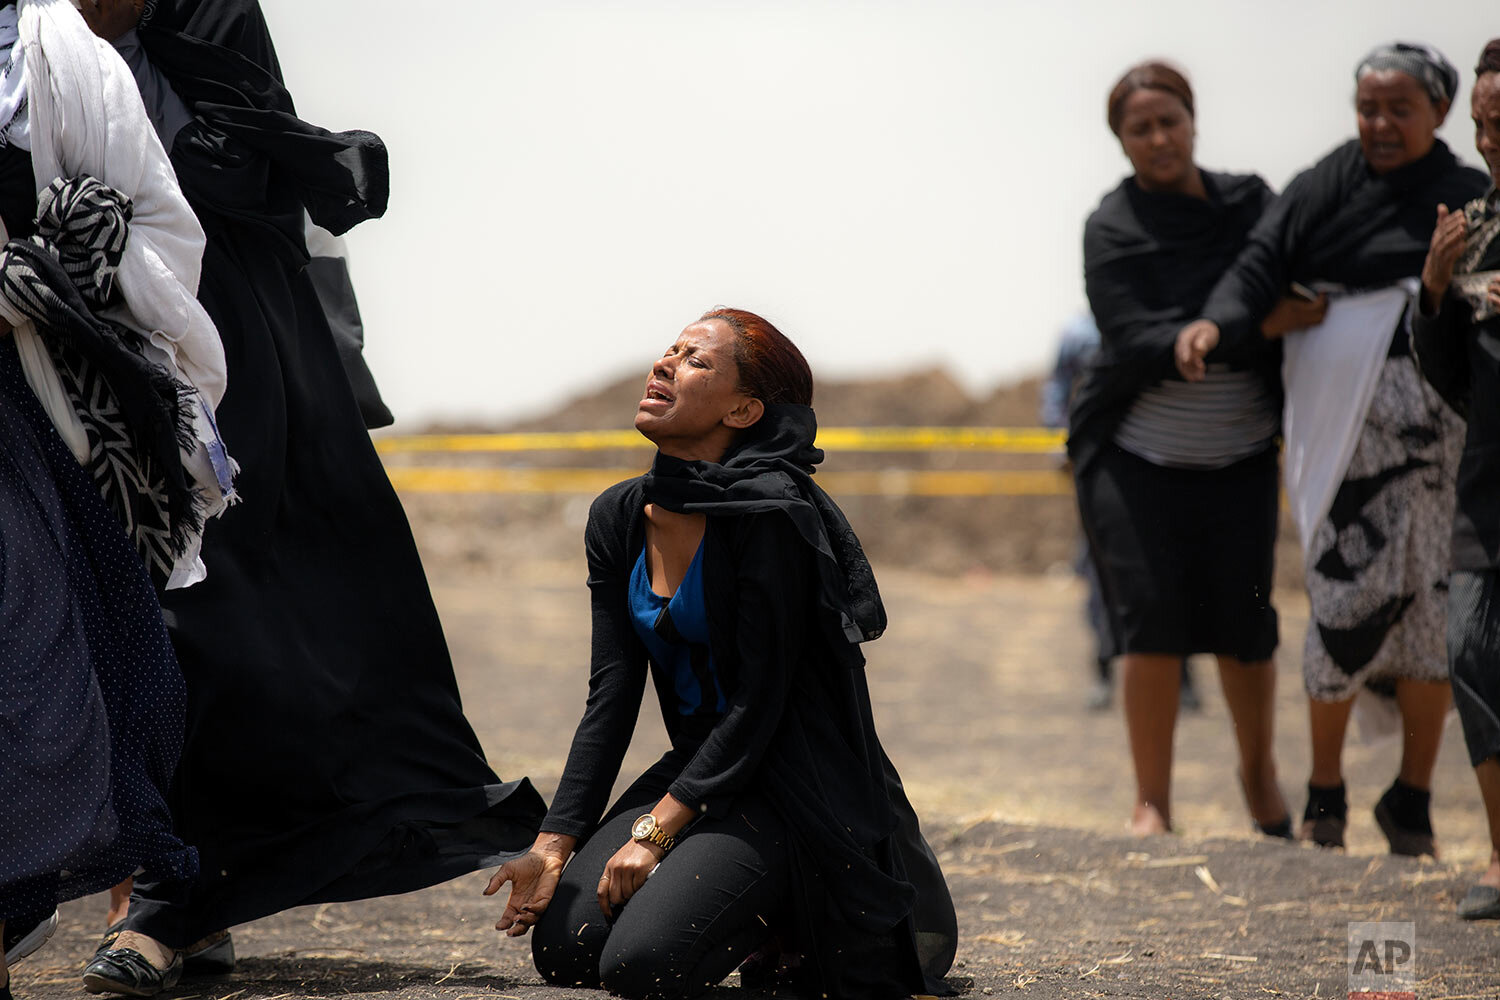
(91, 699)
(788, 596)
(327, 757)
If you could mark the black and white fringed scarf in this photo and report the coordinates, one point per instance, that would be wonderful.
(1477, 266)
(137, 417)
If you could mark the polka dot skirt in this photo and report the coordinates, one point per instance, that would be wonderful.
(91, 699)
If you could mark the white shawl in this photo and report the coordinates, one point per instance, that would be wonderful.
(1330, 372)
(86, 117)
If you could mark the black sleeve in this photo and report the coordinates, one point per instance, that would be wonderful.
(1440, 346)
(1256, 281)
(1134, 336)
(617, 680)
(773, 575)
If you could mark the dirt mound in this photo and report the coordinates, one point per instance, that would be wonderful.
(947, 534)
(932, 398)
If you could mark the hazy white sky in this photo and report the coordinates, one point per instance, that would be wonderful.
(895, 184)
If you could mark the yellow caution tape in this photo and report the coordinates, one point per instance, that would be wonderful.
(1013, 440)
(880, 482)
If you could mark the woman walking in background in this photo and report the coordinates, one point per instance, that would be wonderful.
(328, 757)
(775, 822)
(1371, 449)
(1456, 340)
(1177, 481)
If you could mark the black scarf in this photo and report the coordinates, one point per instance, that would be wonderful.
(770, 468)
(1341, 223)
(218, 56)
(1346, 206)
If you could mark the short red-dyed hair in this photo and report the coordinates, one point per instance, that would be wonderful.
(771, 368)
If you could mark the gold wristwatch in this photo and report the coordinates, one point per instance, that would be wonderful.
(647, 829)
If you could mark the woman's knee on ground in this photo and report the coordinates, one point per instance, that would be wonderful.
(645, 969)
(564, 954)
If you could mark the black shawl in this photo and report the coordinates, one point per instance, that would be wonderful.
(1337, 223)
(1149, 262)
(783, 577)
(770, 468)
(258, 162)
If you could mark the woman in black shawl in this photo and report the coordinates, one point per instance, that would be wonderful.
(327, 756)
(1456, 340)
(775, 822)
(1177, 482)
(1377, 561)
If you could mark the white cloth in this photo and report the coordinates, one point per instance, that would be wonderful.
(86, 117)
(1329, 373)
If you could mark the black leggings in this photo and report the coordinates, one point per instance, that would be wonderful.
(694, 921)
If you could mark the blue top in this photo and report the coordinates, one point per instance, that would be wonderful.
(675, 631)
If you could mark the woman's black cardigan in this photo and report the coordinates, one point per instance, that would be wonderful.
(1150, 260)
(798, 727)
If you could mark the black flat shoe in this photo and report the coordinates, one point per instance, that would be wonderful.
(213, 956)
(125, 970)
(1326, 816)
(1482, 903)
(25, 935)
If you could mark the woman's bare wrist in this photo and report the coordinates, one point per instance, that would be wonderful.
(557, 845)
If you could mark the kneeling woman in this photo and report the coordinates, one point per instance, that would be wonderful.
(775, 821)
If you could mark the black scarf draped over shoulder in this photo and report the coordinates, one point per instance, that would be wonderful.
(1338, 222)
(247, 155)
(1150, 259)
(770, 469)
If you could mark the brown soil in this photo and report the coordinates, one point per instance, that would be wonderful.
(978, 688)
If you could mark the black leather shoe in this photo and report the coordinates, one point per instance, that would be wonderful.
(111, 933)
(213, 956)
(26, 934)
(125, 970)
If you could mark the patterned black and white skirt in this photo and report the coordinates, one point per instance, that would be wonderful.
(1377, 567)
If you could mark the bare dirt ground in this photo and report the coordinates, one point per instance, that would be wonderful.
(978, 686)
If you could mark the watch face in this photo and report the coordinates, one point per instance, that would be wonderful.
(644, 827)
